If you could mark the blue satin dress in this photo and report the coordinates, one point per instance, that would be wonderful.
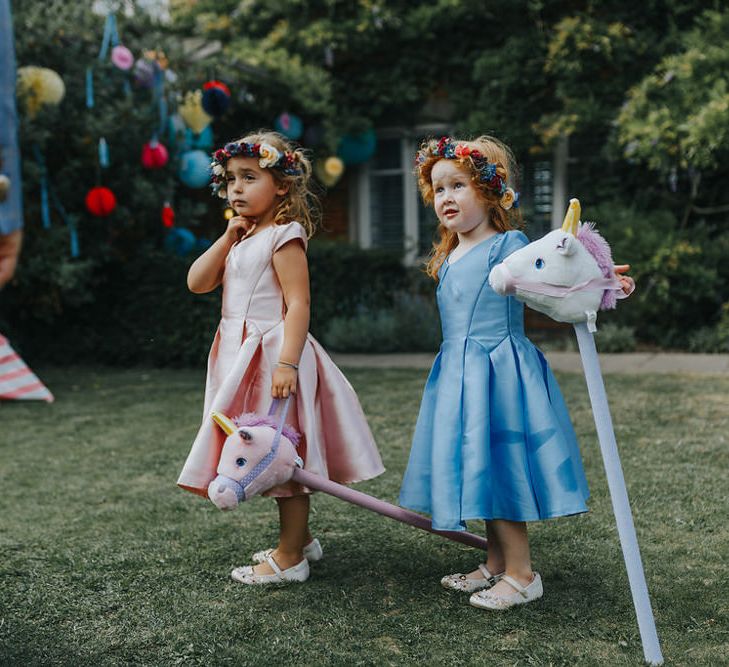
(493, 438)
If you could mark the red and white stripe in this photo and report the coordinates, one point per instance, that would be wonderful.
(17, 381)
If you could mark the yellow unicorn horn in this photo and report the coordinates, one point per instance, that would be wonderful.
(224, 422)
(572, 218)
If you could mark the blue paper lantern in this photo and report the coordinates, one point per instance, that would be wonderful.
(194, 169)
(180, 241)
(289, 125)
(202, 244)
(182, 138)
(203, 140)
(358, 148)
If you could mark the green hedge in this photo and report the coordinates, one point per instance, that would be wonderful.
(139, 311)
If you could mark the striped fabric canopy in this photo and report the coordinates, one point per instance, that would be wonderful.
(17, 381)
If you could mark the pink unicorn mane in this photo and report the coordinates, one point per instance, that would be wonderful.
(599, 248)
(253, 419)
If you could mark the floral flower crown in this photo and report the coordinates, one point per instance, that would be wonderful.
(445, 148)
(268, 157)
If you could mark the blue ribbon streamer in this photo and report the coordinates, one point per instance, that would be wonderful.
(89, 87)
(73, 232)
(103, 153)
(45, 207)
(111, 36)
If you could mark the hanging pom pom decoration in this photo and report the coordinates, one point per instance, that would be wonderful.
(202, 244)
(289, 125)
(215, 98)
(39, 86)
(144, 73)
(192, 112)
(329, 171)
(122, 57)
(358, 148)
(168, 215)
(180, 241)
(154, 155)
(194, 169)
(100, 201)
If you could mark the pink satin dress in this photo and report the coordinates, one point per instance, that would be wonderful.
(337, 442)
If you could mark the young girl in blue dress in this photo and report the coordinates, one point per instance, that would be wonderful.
(493, 439)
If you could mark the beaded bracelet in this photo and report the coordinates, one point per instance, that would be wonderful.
(286, 363)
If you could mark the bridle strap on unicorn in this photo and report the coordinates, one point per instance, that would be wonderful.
(513, 284)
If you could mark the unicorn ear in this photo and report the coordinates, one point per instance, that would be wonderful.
(224, 422)
(566, 245)
(572, 218)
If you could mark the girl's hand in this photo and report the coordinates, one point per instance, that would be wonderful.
(627, 283)
(240, 228)
(284, 382)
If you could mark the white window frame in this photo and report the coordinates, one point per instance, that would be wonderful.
(359, 200)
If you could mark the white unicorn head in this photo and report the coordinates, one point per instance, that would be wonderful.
(568, 274)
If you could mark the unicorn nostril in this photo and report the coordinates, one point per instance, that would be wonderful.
(221, 488)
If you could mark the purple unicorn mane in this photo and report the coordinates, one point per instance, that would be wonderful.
(253, 419)
(599, 248)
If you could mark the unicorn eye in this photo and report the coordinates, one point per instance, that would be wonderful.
(240, 462)
(245, 435)
(539, 263)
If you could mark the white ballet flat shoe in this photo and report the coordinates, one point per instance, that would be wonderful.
(499, 602)
(460, 582)
(296, 573)
(312, 552)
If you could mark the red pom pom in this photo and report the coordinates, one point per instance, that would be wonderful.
(154, 155)
(168, 216)
(214, 83)
(100, 201)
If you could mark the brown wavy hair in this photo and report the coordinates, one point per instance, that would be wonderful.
(299, 203)
(501, 219)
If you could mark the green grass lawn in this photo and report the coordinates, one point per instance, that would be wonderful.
(105, 562)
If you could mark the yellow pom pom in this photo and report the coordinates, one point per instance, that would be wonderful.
(192, 112)
(329, 171)
(38, 86)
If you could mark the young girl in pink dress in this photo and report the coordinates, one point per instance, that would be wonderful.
(262, 349)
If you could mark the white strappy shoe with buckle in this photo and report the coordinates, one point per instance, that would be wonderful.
(312, 552)
(461, 582)
(296, 573)
(499, 602)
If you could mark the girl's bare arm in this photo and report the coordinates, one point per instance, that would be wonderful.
(292, 271)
